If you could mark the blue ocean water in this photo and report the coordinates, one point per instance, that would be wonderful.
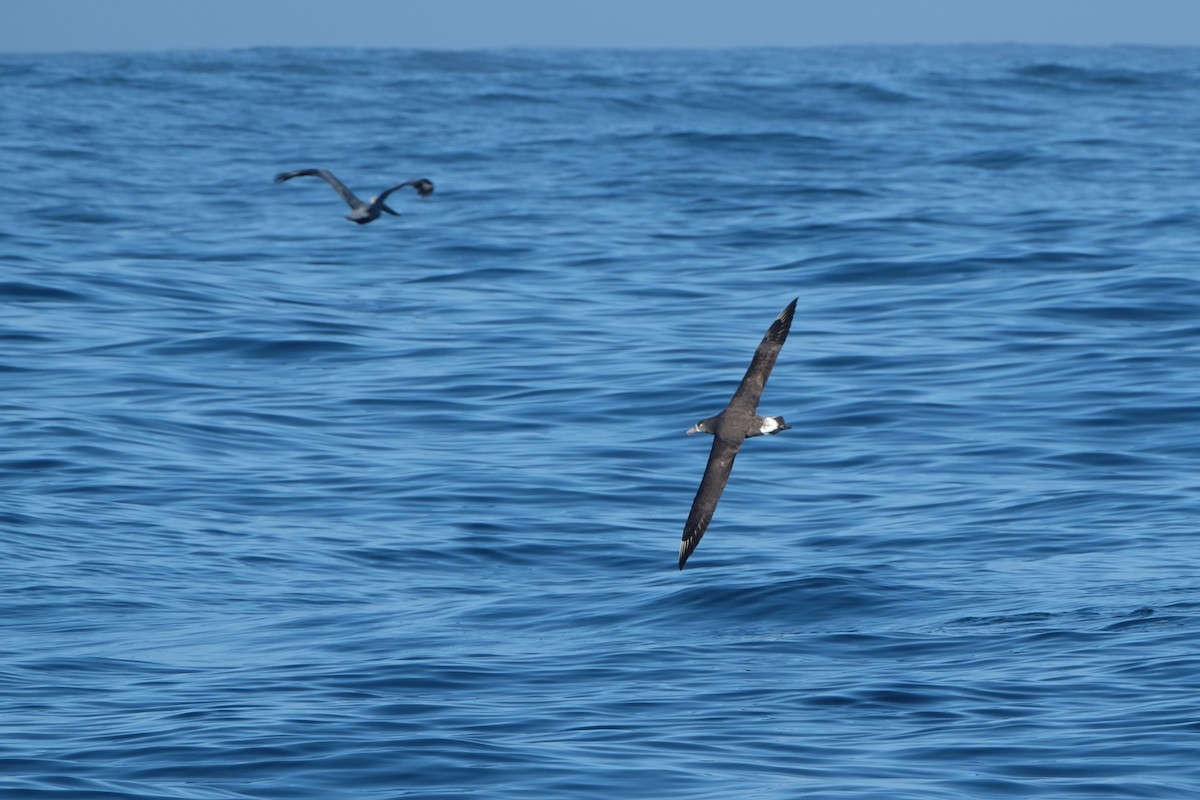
(293, 508)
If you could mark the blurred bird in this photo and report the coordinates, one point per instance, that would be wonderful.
(360, 212)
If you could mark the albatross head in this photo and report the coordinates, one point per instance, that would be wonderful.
(704, 426)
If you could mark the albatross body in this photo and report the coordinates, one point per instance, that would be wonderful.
(738, 422)
(360, 212)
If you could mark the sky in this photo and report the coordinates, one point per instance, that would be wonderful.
(122, 25)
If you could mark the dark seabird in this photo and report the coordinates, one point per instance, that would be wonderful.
(360, 212)
(733, 426)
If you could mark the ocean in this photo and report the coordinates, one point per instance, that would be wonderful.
(297, 509)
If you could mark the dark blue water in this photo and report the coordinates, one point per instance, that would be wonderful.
(293, 508)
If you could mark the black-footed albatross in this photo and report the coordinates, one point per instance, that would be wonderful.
(360, 212)
(731, 427)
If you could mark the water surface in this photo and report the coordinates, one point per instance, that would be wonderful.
(294, 508)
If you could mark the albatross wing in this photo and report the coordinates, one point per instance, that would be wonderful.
(751, 388)
(424, 188)
(716, 475)
(328, 177)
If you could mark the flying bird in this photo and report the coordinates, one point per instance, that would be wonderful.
(360, 212)
(733, 426)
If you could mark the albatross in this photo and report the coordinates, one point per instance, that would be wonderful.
(360, 212)
(738, 422)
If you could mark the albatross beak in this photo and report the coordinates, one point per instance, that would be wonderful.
(691, 430)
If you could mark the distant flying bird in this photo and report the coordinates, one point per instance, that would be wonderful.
(733, 426)
(360, 212)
